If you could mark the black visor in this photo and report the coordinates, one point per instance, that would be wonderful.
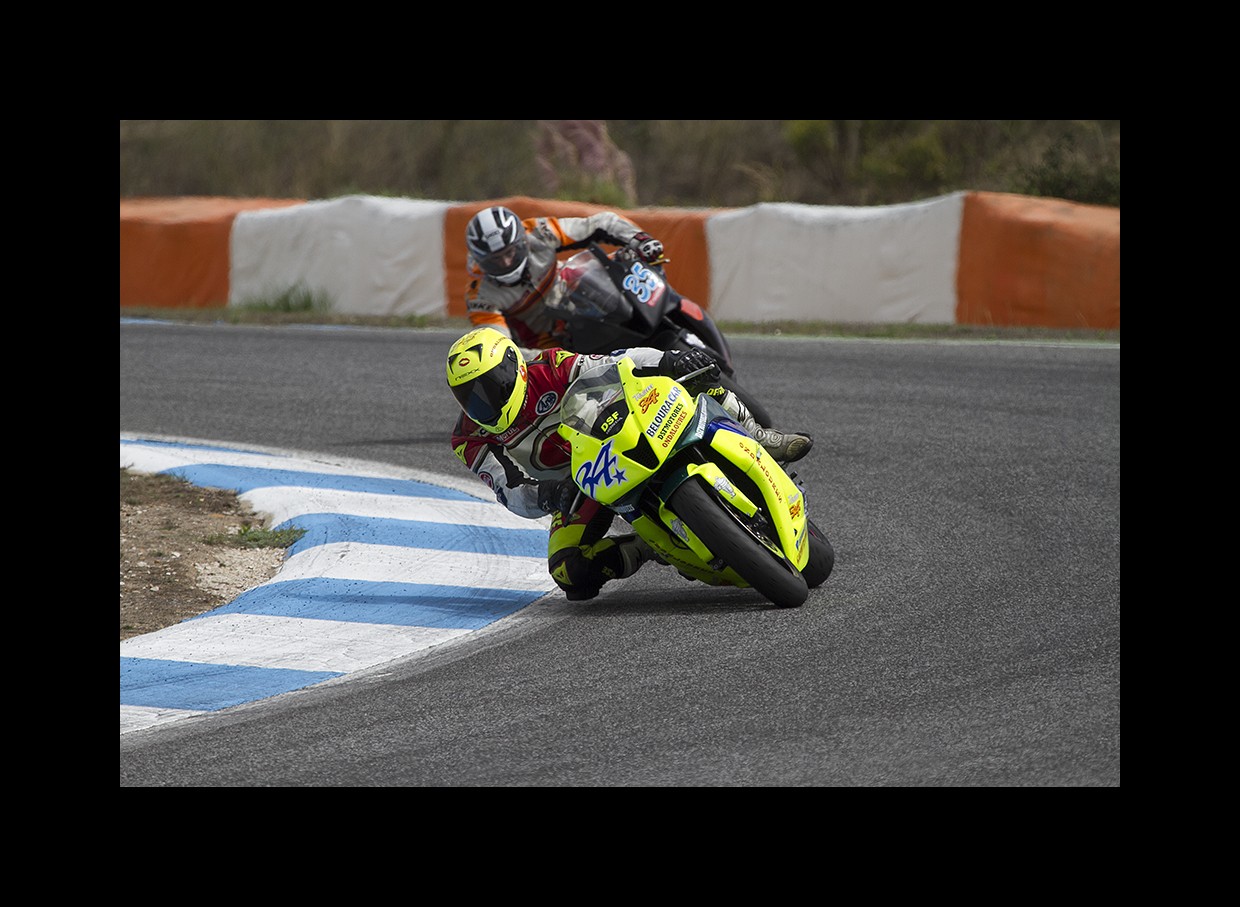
(506, 261)
(484, 398)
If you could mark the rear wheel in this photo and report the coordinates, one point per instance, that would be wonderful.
(821, 557)
(737, 544)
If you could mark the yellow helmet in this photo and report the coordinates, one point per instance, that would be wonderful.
(486, 373)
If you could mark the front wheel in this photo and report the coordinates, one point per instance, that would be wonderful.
(736, 545)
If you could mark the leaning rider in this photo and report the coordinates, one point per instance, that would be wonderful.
(517, 284)
(507, 436)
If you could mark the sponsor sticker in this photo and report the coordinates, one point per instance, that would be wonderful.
(546, 403)
(681, 415)
(663, 410)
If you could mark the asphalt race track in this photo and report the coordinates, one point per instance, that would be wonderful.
(969, 636)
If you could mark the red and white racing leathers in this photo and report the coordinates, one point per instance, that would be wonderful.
(531, 450)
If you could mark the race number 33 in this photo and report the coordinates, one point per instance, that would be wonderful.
(641, 283)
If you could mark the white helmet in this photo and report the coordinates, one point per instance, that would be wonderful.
(496, 241)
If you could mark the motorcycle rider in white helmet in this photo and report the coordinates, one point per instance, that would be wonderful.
(517, 285)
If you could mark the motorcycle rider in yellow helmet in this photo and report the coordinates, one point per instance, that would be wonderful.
(507, 436)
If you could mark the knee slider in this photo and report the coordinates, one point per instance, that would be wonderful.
(571, 569)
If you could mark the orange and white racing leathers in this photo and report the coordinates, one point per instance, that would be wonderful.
(525, 311)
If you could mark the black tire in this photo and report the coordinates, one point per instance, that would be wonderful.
(721, 532)
(821, 558)
(752, 403)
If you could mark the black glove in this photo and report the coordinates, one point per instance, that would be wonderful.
(679, 363)
(556, 495)
(648, 248)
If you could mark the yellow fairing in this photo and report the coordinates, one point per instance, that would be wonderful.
(613, 473)
(784, 500)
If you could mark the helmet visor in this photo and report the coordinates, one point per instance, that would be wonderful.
(484, 398)
(504, 263)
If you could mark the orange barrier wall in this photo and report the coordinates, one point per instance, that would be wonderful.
(1022, 261)
(175, 251)
(1037, 262)
(682, 231)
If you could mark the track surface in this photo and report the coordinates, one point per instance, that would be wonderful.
(970, 635)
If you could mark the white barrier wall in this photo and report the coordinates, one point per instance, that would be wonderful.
(384, 256)
(984, 258)
(893, 263)
(370, 255)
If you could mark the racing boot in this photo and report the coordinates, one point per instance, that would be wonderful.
(635, 552)
(784, 446)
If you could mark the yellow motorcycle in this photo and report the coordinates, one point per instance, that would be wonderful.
(694, 484)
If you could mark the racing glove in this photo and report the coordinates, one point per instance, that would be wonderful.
(648, 248)
(679, 363)
(556, 495)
